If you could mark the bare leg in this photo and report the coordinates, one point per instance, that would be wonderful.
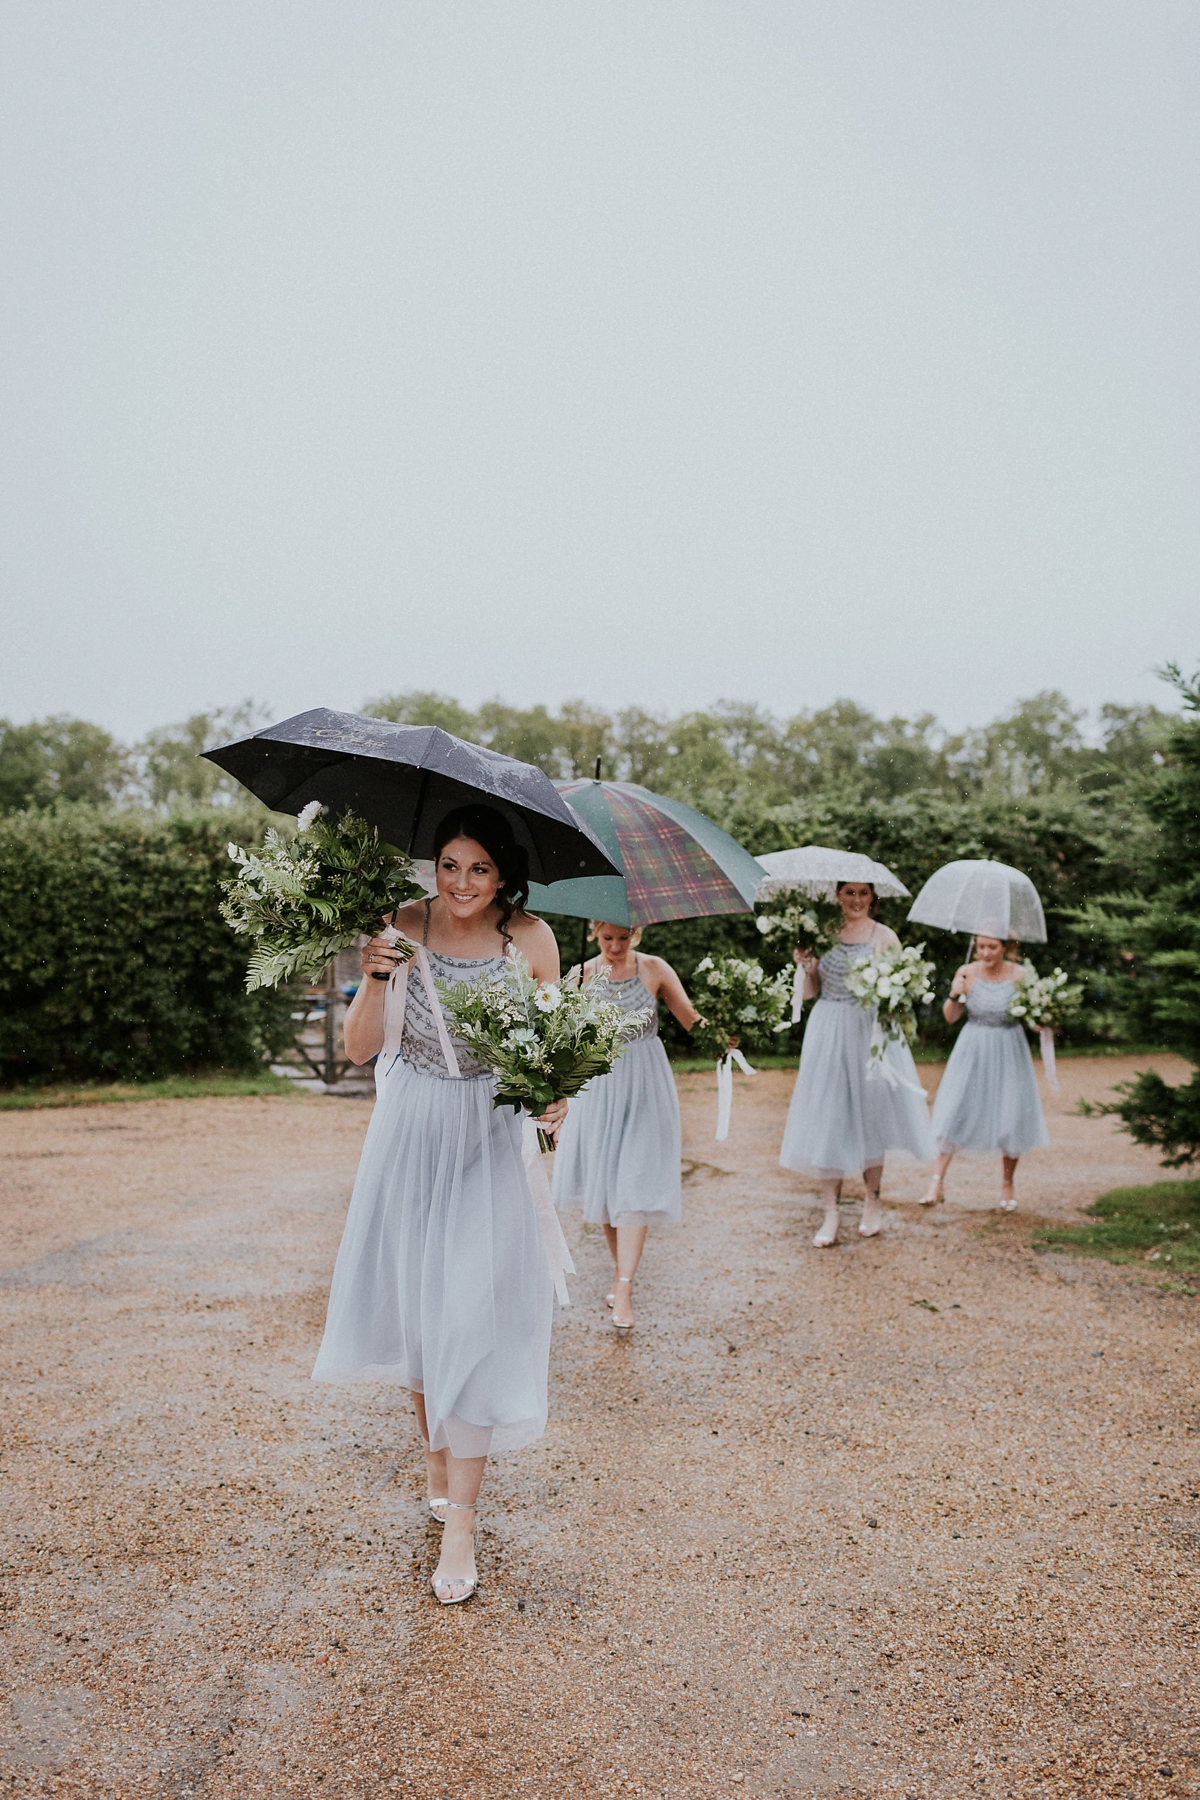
(1008, 1200)
(829, 1228)
(435, 1464)
(630, 1242)
(939, 1176)
(455, 1572)
(610, 1238)
(872, 1212)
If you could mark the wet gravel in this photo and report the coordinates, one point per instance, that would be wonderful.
(916, 1516)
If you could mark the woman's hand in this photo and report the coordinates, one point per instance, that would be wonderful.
(804, 959)
(551, 1120)
(380, 959)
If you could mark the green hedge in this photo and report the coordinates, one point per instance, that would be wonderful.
(114, 961)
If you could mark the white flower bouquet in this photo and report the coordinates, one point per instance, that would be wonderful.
(542, 1040)
(302, 902)
(894, 982)
(1044, 1002)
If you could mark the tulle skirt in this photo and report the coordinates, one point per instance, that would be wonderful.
(441, 1283)
(839, 1122)
(988, 1101)
(620, 1148)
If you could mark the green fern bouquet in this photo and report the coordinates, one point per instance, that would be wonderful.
(302, 902)
(738, 999)
(543, 1040)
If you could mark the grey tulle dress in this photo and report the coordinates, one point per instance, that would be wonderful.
(441, 1283)
(619, 1150)
(988, 1100)
(839, 1122)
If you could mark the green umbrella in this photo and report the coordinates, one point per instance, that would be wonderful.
(677, 864)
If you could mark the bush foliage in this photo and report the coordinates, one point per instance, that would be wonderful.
(114, 961)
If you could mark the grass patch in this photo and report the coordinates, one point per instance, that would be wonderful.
(1158, 1225)
(174, 1087)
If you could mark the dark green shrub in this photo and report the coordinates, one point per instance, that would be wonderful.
(114, 961)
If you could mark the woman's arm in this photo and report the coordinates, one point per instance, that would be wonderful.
(804, 959)
(665, 985)
(960, 987)
(538, 945)
(362, 1033)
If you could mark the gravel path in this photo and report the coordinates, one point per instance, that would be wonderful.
(915, 1516)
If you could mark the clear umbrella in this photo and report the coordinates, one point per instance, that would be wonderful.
(816, 871)
(986, 899)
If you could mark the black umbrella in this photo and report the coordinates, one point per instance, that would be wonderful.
(404, 778)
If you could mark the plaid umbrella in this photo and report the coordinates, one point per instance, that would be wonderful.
(677, 863)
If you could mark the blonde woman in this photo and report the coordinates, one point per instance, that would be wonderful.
(619, 1150)
(840, 1123)
(988, 1101)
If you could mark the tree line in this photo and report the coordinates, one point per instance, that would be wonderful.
(728, 756)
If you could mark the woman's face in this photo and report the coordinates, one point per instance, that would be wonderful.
(854, 898)
(989, 951)
(614, 941)
(467, 878)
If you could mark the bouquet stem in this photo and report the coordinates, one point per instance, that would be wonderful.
(546, 1143)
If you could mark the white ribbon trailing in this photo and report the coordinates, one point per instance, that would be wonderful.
(878, 1067)
(798, 980)
(1046, 1035)
(725, 1089)
(558, 1256)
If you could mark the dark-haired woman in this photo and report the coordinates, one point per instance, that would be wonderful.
(840, 1123)
(442, 1283)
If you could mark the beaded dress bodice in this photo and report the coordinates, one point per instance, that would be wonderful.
(834, 966)
(633, 996)
(988, 1002)
(419, 1041)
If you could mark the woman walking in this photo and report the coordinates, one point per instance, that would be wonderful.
(619, 1152)
(442, 1283)
(988, 1101)
(840, 1123)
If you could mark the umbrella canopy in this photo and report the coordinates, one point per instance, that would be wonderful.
(816, 871)
(678, 864)
(986, 898)
(404, 779)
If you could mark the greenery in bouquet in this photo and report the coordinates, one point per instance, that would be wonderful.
(794, 920)
(895, 982)
(542, 1040)
(737, 999)
(302, 901)
(1045, 1002)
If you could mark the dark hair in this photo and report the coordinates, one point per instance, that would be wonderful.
(487, 826)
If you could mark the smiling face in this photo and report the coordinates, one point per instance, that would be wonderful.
(989, 951)
(614, 942)
(467, 878)
(854, 898)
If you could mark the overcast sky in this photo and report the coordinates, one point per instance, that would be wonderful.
(649, 352)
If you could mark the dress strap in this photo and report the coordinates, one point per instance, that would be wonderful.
(425, 930)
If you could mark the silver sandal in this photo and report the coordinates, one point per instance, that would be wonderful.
(469, 1582)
